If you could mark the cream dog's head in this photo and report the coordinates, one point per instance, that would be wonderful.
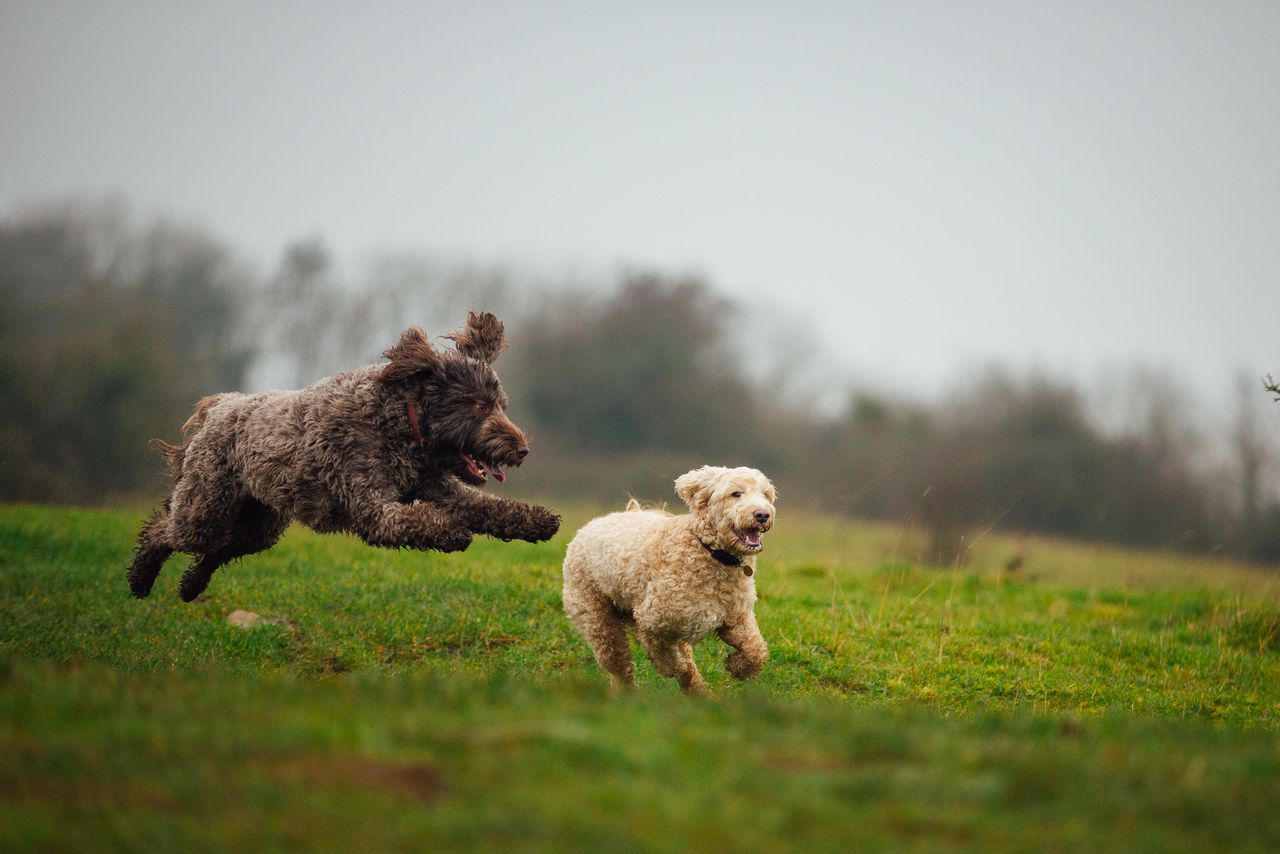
(733, 507)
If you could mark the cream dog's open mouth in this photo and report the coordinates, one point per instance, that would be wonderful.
(750, 538)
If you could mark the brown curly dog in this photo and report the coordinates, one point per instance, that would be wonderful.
(391, 453)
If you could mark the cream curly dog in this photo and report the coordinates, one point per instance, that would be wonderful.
(675, 579)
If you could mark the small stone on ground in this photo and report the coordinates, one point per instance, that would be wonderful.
(247, 619)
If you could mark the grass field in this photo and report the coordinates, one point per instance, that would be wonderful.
(1092, 699)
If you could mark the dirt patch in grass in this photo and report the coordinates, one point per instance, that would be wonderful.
(89, 793)
(796, 764)
(416, 781)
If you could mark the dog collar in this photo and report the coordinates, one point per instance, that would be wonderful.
(412, 410)
(727, 558)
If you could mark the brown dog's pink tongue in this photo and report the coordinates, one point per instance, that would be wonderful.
(496, 471)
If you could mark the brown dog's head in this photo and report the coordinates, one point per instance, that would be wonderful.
(459, 402)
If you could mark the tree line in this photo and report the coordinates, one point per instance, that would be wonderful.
(110, 329)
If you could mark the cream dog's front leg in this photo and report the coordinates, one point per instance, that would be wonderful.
(673, 657)
(750, 651)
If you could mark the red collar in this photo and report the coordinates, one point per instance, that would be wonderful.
(413, 419)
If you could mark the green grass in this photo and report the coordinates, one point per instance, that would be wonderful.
(1093, 699)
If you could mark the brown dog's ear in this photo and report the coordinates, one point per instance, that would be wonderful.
(694, 488)
(483, 338)
(412, 354)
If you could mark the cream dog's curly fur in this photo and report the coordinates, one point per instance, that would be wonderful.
(675, 579)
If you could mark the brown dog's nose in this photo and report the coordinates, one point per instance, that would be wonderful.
(762, 516)
(522, 452)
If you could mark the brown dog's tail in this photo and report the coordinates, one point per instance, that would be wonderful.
(174, 454)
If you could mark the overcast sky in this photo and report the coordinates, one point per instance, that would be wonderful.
(1075, 186)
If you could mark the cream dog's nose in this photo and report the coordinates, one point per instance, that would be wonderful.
(762, 516)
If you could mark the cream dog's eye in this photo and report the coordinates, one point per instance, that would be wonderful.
(737, 495)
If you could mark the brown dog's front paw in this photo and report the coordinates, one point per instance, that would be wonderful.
(543, 525)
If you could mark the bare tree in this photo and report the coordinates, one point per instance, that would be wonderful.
(303, 318)
(109, 330)
(1253, 453)
(1270, 385)
(316, 321)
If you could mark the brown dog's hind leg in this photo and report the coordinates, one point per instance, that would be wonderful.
(196, 578)
(153, 550)
(204, 507)
(256, 529)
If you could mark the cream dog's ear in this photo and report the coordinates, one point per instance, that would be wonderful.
(694, 488)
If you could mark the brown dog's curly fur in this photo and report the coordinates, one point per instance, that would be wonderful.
(391, 453)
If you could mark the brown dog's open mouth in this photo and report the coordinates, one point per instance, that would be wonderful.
(477, 471)
(750, 538)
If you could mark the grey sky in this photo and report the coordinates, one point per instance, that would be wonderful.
(935, 185)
